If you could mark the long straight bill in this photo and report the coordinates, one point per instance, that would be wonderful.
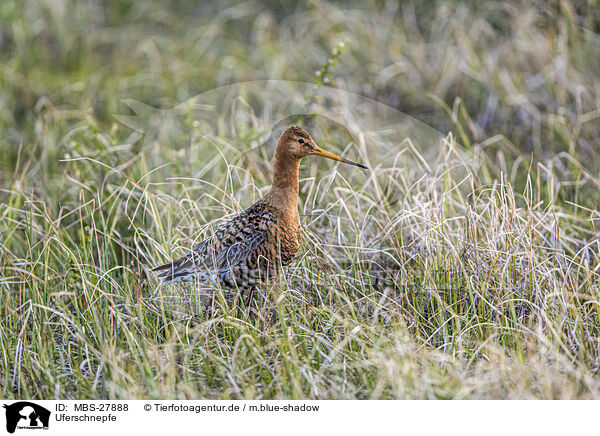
(320, 152)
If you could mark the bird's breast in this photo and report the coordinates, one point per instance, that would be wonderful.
(285, 239)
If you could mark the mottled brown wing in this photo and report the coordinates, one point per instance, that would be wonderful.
(233, 244)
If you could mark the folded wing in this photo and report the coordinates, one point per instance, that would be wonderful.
(225, 255)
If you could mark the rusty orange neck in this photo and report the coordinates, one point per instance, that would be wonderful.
(284, 191)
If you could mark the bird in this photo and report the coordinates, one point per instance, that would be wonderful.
(253, 246)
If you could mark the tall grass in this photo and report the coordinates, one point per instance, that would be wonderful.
(422, 278)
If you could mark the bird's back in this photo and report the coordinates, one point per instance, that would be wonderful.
(244, 251)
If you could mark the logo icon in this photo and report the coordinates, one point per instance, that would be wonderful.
(26, 415)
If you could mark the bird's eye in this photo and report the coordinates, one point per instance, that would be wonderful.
(301, 141)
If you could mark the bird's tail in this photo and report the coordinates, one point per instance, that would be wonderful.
(168, 265)
(183, 270)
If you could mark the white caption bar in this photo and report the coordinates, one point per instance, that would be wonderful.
(164, 417)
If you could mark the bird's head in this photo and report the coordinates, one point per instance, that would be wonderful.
(295, 142)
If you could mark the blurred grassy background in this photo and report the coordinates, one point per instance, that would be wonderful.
(525, 71)
(517, 83)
